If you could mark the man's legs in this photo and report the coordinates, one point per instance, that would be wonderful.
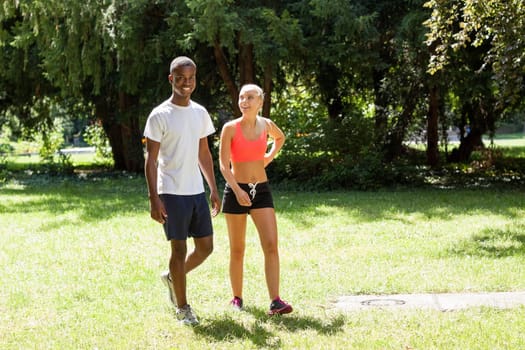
(180, 264)
(177, 270)
(203, 249)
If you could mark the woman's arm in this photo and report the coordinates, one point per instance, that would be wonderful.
(278, 141)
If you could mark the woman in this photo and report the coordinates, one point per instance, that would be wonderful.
(243, 159)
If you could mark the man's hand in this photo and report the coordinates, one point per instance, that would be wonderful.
(157, 210)
(215, 204)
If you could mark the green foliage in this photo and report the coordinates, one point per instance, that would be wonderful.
(5, 150)
(498, 26)
(107, 53)
(59, 165)
(217, 21)
(330, 156)
(50, 144)
(95, 136)
(361, 60)
(493, 166)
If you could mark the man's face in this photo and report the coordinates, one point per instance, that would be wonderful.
(182, 80)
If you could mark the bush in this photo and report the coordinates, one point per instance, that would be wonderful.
(95, 136)
(336, 155)
(5, 150)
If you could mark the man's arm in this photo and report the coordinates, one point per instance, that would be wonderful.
(157, 210)
(206, 166)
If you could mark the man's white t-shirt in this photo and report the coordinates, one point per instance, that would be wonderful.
(179, 130)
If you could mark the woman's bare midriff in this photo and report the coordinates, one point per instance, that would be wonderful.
(249, 172)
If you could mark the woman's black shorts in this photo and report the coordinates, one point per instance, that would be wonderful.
(260, 194)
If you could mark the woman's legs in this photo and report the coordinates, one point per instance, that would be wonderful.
(266, 224)
(237, 235)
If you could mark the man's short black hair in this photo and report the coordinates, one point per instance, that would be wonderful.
(181, 61)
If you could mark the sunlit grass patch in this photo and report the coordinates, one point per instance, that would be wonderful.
(81, 261)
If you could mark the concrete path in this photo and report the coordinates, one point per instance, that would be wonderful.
(442, 302)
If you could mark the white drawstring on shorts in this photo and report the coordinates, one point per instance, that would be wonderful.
(253, 191)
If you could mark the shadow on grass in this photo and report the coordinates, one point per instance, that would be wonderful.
(429, 204)
(228, 328)
(98, 196)
(495, 243)
(94, 198)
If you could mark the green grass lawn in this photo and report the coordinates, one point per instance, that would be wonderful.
(511, 145)
(81, 261)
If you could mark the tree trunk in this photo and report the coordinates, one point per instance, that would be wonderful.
(471, 135)
(328, 81)
(121, 123)
(222, 64)
(469, 143)
(400, 129)
(433, 127)
(380, 117)
(267, 88)
(245, 64)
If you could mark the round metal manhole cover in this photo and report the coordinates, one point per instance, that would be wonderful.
(383, 302)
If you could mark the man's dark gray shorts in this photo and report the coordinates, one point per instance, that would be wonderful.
(188, 216)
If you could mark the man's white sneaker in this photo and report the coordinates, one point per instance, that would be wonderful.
(186, 315)
(165, 277)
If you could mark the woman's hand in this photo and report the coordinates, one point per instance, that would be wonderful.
(243, 198)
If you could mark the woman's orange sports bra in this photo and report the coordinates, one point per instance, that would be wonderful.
(243, 150)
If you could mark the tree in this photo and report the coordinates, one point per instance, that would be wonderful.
(336, 58)
(108, 54)
(479, 46)
(407, 94)
(498, 25)
(249, 39)
(24, 90)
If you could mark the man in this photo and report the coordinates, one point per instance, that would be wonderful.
(177, 152)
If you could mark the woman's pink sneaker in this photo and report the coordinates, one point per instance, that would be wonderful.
(279, 307)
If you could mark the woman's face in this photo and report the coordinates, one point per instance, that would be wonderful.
(250, 100)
